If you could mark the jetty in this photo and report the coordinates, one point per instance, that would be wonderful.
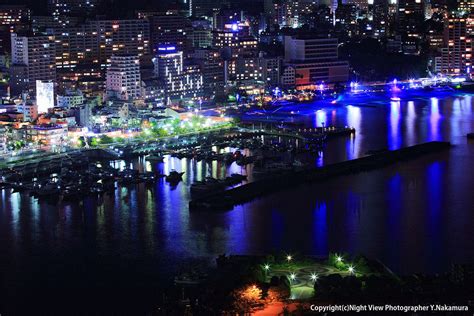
(227, 199)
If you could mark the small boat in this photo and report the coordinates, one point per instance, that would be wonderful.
(97, 188)
(50, 189)
(174, 176)
(148, 177)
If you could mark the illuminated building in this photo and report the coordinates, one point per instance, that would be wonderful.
(315, 60)
(29, 109)
(14, 14)
(123, 77)
(237, 42)
(288, 78)
(288, 13)
(466, 6)
(212, 69)
(179, 80)
(44, 95)
(379, 18)
(70, 98)
(94, 42)
(411, 15)
(346, 17)
(192, 82)
(33, 58)
(71, 7)
(225, 17)
(169, 67)
(271, 69)
(201, 34)
(48, 134)
(456, 55)
(13, 18)
(170, 28)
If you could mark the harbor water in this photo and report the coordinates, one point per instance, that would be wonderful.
(415, 216)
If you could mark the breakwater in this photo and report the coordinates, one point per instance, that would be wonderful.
(224, 200)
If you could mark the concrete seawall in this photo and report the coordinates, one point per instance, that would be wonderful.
(224, 200)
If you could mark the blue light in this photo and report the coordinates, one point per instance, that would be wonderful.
(166, 48)
(235, 27)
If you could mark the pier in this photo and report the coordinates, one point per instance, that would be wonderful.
(225, 200)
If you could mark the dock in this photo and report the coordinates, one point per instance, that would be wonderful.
(225, 200)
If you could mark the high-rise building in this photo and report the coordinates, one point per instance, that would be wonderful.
(13, 18)
(456, 55)
(315, 60)
(89, 47)
(170, 28)
(33, 58)
(72, 7)
(123, 77)
(192, 82)
(212, 69)
(14, 14)
(169, 67)
(411, 15)
(466, 6)
(179, 81)
(235, 40)
(201, 34)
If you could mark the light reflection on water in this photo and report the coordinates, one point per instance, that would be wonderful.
(394, 214)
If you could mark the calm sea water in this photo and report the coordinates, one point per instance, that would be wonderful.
(415, 216)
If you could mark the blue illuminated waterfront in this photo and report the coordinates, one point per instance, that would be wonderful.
(415, 216)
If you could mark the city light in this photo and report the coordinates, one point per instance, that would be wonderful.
(289, 258)
(351, 270)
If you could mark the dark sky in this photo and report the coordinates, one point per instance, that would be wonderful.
(39, 6)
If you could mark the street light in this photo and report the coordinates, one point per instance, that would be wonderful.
(339, 259)
(314, 277)
(292, 276)
(289, 258)
(351, 270)
(266, 267)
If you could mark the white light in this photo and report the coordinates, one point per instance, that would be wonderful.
(44, 95)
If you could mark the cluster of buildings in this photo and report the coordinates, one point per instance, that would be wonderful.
(70, 66)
